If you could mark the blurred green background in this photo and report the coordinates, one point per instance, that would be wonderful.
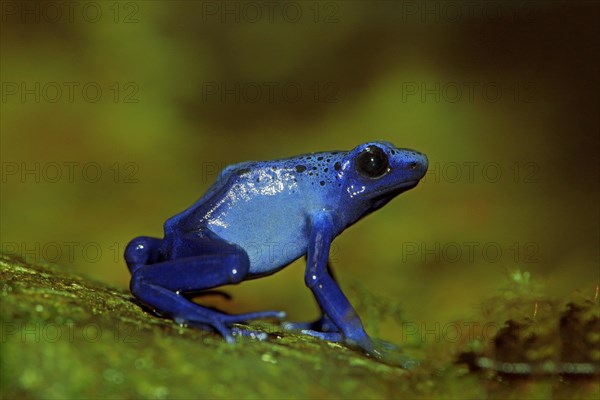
(117, 115)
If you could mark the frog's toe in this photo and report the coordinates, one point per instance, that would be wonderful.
(329, 336)
(249, 333)
(219, 326)
(296, 326)
(231, 319)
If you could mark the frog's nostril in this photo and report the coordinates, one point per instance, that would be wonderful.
(413, 165)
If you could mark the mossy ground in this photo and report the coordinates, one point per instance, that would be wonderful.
(65, 336)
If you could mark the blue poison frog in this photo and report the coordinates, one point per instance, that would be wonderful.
(301, 203)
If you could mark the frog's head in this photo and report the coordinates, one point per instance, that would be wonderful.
(376, 172)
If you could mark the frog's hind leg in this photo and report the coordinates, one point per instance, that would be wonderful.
(142, 250)
(162, 286)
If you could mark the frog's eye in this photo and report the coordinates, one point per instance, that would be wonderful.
(372, 162)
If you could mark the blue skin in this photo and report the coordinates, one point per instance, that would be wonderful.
(298, 204)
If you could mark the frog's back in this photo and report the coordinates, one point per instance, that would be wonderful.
(264, 207)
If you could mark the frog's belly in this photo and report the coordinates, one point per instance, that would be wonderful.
(272, 238)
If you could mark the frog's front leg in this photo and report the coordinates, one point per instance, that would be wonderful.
(323, 324)
(333, 303)
(201, 263)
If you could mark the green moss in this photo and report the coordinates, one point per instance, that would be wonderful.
(64, 336)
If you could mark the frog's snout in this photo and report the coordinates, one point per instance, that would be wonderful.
(417, 162)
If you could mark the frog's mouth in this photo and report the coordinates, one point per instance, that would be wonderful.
(386, 195)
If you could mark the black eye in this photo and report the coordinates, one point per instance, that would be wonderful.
(372, 162)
